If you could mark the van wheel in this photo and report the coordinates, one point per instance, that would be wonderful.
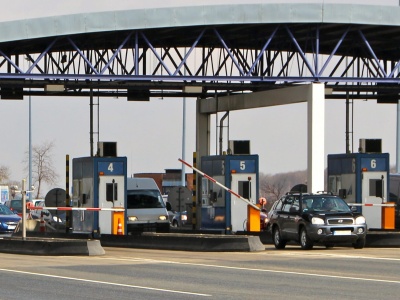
(305, 242)
(277, 239)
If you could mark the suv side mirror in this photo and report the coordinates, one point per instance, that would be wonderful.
(294, 209)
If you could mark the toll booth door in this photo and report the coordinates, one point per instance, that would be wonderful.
(247, 189)
(111, 194)
(373, 192)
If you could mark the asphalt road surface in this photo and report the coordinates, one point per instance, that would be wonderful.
(338, 273)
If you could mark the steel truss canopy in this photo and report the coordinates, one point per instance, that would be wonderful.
(203, 51)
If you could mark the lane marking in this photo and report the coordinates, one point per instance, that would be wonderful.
(330, 255)
(105, 282)
(254, 269)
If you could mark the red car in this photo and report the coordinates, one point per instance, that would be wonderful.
(16, 206)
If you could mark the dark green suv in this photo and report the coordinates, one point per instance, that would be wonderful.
(316, 218)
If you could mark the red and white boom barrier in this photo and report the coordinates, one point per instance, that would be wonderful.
(373, 204)
(75, 208)
(221, 185)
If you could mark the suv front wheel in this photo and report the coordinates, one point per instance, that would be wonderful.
(359, 244)
(277, 239)
(305, 242)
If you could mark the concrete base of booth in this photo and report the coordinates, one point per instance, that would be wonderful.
(50, 246)
(82, 244)
(185, 242)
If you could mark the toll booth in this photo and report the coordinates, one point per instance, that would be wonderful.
(220, 210)
(362, 179)
(99, 183)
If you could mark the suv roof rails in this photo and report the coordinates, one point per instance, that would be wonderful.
(324, 193)
(297, 193)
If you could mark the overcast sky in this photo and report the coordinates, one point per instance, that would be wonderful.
(150, 133)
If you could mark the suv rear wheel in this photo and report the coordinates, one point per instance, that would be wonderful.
(277, 239)
(305, 242)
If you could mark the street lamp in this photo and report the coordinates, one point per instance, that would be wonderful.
(30, 145)
(30, 137)
(183, 130)
(24, 191)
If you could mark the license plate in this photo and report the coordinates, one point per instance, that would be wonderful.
(11, 226)
(342, 232)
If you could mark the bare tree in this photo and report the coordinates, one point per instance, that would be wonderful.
(42, 166)
(4, 174)
(272, 187)
(277, 189)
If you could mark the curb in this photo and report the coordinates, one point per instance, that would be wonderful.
(84, 244)
(374, 239)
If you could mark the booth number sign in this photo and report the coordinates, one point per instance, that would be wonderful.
(111, 168)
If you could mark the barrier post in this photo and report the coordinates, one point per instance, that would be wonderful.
(388, 216)
(42, 227)
(119, 231)
(118, 223)
(253, 219)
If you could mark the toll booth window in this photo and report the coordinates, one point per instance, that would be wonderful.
(111, 192)
(144, 199)
(375, 187)
(244, 189)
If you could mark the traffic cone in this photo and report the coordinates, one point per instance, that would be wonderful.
(119, 231)
(42, 227)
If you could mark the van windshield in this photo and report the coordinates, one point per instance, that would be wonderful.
(144, 199)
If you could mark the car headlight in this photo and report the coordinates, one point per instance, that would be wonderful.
(184, 217)
(132, 218)
(360, 220)
(162, 218)
(317, 221)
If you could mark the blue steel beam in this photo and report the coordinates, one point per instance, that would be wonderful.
(228, 51)
(184, 60)
(257, 60)
(333, 52)
(131, 60)
(116, 53)
(372, 53)
(300, 51)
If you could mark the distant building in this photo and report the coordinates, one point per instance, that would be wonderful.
(169, 179)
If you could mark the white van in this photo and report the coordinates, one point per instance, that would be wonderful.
(145, 206)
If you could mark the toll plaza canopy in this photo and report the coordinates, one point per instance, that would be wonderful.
(201, 51)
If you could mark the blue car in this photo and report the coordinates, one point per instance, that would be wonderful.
(8, 220)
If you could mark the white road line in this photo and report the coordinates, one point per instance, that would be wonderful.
(107, 283)
(330, 255)
(256, 270)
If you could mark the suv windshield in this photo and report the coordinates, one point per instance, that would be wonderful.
(324, 204)
(144, 199)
